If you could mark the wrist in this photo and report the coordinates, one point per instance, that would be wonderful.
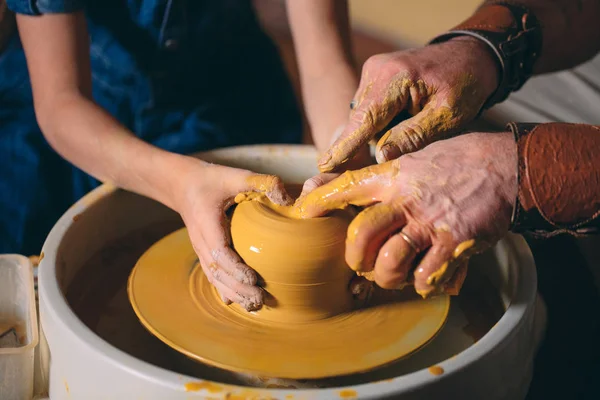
(499, 154)
(173, 175)
(508, 154)
(513, 33)
(485, 65)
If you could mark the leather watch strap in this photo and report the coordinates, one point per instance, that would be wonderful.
(514, 36)
(558, 179)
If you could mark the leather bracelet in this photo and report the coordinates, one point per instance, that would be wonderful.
(513, 34)
(558, 189)
(522, 220)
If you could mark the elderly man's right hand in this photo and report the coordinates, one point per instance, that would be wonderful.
(442, 86)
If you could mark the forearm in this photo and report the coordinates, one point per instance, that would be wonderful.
(321, 32)
(558, 178)
(57, 52)
(92, 140)
(570, 31)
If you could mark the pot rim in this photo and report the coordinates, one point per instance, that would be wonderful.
(54, 303)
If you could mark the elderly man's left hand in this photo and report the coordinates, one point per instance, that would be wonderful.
(442, 86)
(438, 205)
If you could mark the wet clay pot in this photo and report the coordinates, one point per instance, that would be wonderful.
(300, 262)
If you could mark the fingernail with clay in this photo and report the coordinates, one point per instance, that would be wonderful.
(252, 306)
(388, 152)
(325, 159)
(245, 276)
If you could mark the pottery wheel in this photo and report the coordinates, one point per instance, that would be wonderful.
(183, 310)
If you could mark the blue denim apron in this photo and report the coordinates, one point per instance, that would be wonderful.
(185, 76)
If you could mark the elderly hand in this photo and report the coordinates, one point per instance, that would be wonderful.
(438, 205)
(443, 87)
(211, 191)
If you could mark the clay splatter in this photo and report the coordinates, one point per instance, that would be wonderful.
(436, 370)
(197, 386)
(348, 394)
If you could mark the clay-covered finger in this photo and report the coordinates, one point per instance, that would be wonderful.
(248, 296)
(208, 267)
(455, 283)
(435, 267)
(271, 185)
(205, 263)
(208, 272)
(230, 262)
(317, 181)
(216, 240)
(229, 289)
(369, 231)
(396, 257)
(450, 276)
(359, 188)
(365, 122)
(430, 124)
(377, 103)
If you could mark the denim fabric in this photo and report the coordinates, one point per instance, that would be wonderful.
(185, 76)
(38, 7)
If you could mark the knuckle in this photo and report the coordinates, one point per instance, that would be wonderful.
(262, 182)
(276, 181)
(217, 274)
(410, 138)
(400, 70)
(356, 118)
(411, 72)
(209, 276)
(373, 61)
(365, 119)
(270, 182)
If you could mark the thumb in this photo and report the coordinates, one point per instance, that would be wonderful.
(413, 134)
(270, 185)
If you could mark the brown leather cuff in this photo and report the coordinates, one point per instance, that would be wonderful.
(558, 179)
(514, 35)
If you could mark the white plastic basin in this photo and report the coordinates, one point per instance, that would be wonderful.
(84, 366)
